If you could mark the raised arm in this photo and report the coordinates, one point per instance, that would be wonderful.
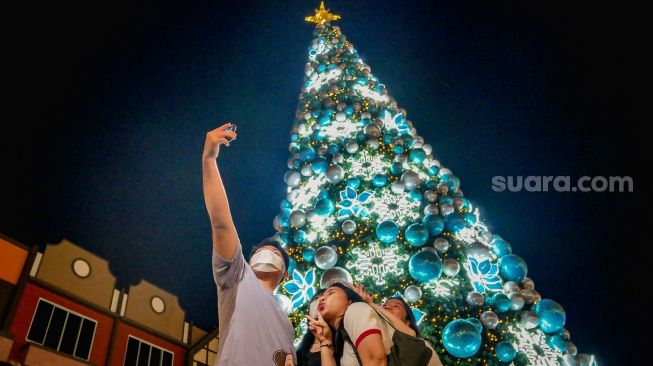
(397, 323)
(223, 231)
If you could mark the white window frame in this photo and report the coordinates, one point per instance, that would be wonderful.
(149, 344)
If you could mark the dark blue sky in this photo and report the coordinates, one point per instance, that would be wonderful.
(110, 104)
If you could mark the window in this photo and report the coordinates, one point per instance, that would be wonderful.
(206, 355)
(60, 329)
(141, 353)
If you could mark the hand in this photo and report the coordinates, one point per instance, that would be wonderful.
(320, 329)
(217, 137)
(360, 290)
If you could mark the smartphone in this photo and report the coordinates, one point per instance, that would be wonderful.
(231, 128)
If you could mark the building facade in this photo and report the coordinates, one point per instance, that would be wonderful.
(61, 307)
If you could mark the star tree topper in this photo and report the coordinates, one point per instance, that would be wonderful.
(322, 15)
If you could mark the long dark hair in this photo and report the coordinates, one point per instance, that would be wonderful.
(410, 317)
(340, 334)
(307, 341)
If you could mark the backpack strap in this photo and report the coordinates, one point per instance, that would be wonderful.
(348, 340)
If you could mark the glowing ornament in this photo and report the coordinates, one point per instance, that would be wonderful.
(334, 274)
(552, 316)
(461, 338)
(513, 268)
(425, 266)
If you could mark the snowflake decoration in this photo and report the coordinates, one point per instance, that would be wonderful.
(376, 262)
(473, 233)
(302, 197)
(351, 203)
(484, 275)
(367, 165)
(338, 129)
(366, 92)
(533, 345)
(396, 122)
(442, 287)
(317, 80)
(319, 47)
(301, 287)
(399, 208)
(320, 227)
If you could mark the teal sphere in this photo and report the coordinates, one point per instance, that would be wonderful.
(434, 224)
(416, 234)
(425, 266)
(387, 231)
(461, 338)
(324, 207)
(308, 254)
(505, 351)
(551, 314)
(513, 268)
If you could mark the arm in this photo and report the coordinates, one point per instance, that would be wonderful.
(372, 351)
(397, 323)
(322, 333)
(223, 231)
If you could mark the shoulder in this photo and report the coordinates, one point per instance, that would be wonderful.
(360, 312)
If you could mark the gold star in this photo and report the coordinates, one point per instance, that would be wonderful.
(322, 15)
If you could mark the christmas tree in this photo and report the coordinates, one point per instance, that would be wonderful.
(368, 203)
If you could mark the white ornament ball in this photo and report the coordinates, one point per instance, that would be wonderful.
(352, 147)
(441, 245)
(397, 187)
(490, 319)
(529, 320)
(298, 218)
(325, 257)
(334, 274)
(335, 174)
(349, 227)
(306, 170)
(293, 179)
(410, 179)
(450, 267)
(412, 293)
(338, 158)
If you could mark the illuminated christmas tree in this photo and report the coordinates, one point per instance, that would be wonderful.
(368, 202)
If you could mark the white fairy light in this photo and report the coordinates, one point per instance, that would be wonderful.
(320, 227)
(376, 262)
(533, 345)
(317, 80)
(399, 208)
(301, 197)
(369, 93)
(367, 165)
(338, 129)
(442, 287)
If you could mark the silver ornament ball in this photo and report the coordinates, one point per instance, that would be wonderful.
(349, 227)
(490, 319)
(450, 267)
(325, 257)
(335, 174)
(334, 274)
(441, 245)
(412, 293)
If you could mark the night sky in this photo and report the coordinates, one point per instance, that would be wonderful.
(109, 106)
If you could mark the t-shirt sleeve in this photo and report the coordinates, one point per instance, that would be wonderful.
(361, 321)
(227, 273)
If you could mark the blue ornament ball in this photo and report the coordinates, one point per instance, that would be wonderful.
(434, 224)
(557, 343)
(451, 181)
(416, 234)
(387, 231)
(417, 156)
(551, 314)
(396, 168)
(319, 165)
(354, 183)
(425, 266)
(502, 302)
(324, 207)
(379, 180)
(433, 170)
(513, 268)
(308, 254)
(505, 351)
(284, 217)
(477, 323)
(306, 153)
(500, 247)
(299, 236)
(461, 338)
(454, 222)
(292, 264)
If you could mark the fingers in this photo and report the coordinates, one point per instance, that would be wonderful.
(224, 126)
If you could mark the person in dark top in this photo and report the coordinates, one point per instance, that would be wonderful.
(308, 351)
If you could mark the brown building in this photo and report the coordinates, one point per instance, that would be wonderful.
(60, 307)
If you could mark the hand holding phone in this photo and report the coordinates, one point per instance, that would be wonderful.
(231, 128)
